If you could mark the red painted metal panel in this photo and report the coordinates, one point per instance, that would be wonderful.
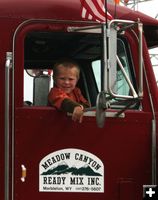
(127, 190)
(123, 146)
(63, 9)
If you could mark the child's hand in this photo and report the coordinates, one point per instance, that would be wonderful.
(77, 114)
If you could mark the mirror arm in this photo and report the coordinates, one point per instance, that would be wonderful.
(128, 24)
(140, 29)
(104, 64)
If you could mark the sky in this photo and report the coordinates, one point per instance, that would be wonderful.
(148, 7)
(151, 8)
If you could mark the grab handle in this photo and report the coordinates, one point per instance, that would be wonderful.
(23, 173)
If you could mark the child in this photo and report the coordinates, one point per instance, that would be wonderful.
(65, 95)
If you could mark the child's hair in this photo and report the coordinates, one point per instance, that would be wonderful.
(68, 63)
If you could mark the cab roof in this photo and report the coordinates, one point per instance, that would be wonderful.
(71, 10)
(62, 9)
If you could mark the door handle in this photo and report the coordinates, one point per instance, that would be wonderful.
(23, 173)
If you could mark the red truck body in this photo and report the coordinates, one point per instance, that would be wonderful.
(120, 157)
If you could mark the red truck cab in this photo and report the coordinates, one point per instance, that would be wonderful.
(43, 153)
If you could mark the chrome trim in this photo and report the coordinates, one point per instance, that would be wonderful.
(85, 29)
(7, 124)
(108, 114)
(140, 29)
(104, 64)
(153, 133)
(129, 24)
(91, 112)
(153, 152)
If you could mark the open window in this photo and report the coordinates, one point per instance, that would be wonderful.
(85, 45)
(44, 48)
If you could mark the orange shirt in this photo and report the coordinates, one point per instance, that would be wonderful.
(57, 96)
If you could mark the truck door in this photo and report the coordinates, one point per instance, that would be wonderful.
(56, 158)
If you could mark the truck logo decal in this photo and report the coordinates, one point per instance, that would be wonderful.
(71, 170)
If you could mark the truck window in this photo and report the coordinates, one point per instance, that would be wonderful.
(121, 86)
(37, 83)
(28, 87)
(96, 66)
(43, 49)
(154, 60)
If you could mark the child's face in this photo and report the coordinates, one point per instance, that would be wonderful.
(66, 78)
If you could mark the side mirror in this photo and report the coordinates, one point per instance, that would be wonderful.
(38, 72)
(111, 67)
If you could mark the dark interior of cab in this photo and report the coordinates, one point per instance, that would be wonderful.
(44, 48)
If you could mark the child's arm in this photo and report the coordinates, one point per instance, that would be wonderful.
(62, 102)
(77, 114)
